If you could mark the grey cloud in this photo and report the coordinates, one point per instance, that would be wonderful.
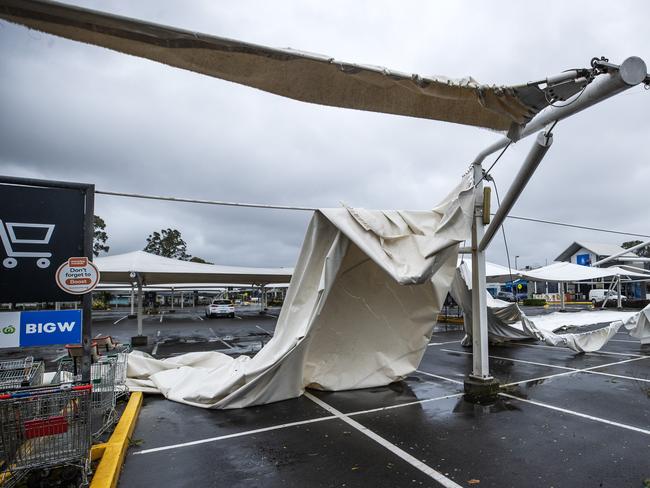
(77, 112)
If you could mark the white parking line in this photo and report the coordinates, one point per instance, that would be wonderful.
(199, 317)
(155, 346)
(264, 330)
(442, 343)
(623, 340)
(570, 370)
(513, 360)
(230, 436)
(283, 426)
(416, 463)
(271, 315)
(161, 316)
(439, 377)
(594, 352)
(120, 320)
(238, 317)
(577, 414)
(583, 370)
(219, 338)
(400, 405)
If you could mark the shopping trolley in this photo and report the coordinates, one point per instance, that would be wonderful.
(20, 372)
(102, 379)
(121, 355)
(43, 428)
(9, 238)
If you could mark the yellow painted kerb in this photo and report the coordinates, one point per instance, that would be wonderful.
(108, 470)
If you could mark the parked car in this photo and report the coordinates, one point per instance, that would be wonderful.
(506, 296)
(597, 295)
(220, 308)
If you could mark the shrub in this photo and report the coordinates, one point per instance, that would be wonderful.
(534, 302)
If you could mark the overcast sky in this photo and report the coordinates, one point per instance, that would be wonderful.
(70, 111)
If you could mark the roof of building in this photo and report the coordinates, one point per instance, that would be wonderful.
(597, 248)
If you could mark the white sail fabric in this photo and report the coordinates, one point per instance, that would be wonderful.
(639, 325)
(307, 77)
(507, 322)
(359, 311)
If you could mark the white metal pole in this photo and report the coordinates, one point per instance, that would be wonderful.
(139, 307)
(561, 290)
(132, 299)
(618, 254)
(480, 363)
(619, 302)
(537, 152)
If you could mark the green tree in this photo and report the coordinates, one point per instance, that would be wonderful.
(100, 236)
(196, 259)
(643, 252)
(167, 243)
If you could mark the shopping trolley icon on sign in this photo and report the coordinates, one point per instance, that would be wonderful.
(10, 240)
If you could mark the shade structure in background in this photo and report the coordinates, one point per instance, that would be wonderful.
(307, 77)
(569, 272)
(155, 270)
(359, 311)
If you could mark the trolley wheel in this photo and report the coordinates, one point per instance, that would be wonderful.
(10, 262)
(43, 263)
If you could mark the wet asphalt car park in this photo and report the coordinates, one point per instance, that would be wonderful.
(562, 420)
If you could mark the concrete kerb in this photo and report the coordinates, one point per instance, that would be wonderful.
(112, 453)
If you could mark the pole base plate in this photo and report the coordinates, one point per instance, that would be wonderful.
(139, 340)
(478, 390)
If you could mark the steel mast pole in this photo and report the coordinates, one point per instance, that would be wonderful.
(480, 385)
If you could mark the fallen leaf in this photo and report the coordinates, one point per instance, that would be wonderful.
(474, 482)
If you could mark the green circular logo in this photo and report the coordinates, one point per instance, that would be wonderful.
(9, 330)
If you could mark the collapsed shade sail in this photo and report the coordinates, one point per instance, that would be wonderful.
(294, 74)
(359, 311)
(506, 322)
(155, 270)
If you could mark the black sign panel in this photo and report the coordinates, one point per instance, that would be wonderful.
(40, 228)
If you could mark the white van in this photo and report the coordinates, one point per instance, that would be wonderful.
(597, 295)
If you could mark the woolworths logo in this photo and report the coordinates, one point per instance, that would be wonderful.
(10, 329)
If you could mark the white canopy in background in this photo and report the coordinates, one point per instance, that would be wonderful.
(493, 272)
(569, 272)
(156, 270)
(359, 312)
(308, 77)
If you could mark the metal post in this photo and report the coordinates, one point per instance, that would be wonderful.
(619, 301)
(140, 307)
(140, 339)
(479, 385)
(87, 300)
(182, 299)
(560, 287)
(171, 303)
(132, 314)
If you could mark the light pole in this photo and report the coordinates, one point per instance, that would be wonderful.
(516, 267)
